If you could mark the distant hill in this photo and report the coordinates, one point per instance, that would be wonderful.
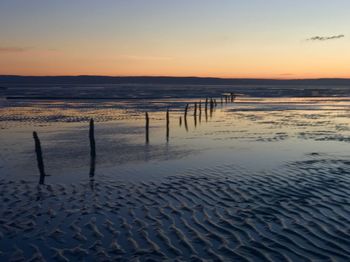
(10, 80)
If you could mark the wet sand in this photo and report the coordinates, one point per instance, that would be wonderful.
(299, 213)
(262, 180)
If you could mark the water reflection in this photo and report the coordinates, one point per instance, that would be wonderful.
(249, 124)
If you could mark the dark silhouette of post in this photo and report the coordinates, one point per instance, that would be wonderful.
(206, 110)
(211, 106)
(232, 97)
(167, 125)
(200, 110)
(39, 158)
(147, 128)
(186, 109)
(92, 148)
(180, 121)
(92, 138)
(195, 114)
(92, 166)
(185, 117)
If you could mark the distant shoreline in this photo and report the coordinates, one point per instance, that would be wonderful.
(6, 80)
(81, 98)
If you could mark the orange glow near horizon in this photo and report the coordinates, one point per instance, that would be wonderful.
(53, 65)
(249, 39)
(281, 62)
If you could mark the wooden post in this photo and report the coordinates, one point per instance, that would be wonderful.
(92, 166)
(200, 110)
(206, 110)
(92, 148)
(185, 118)
(186, 109)
(211, 107)
(92, 139)
(147, 128)
(211, 104)
(180, 121)
(167, 124)
(195, 114)
(39, 158)
(232, 97)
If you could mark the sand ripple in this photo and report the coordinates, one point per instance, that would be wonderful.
(300, 212)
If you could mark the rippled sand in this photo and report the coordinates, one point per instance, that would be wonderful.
(298, 213)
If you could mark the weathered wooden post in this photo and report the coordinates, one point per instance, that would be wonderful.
(232, 97)
(167, 124)
(180, 121)
(92, 148)
(92, 166)
(185, 117)
(39, 158)
(186, 109)
(195, 114)
(206, 110)
(200, 110)
(147, 128)
(92, 138)
(211, 107)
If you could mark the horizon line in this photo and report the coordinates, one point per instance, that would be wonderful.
(170, 76)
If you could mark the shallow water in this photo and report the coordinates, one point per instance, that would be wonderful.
(258, 179)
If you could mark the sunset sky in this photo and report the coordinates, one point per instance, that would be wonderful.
(222, 38)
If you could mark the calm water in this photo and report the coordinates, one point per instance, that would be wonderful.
(253, 133)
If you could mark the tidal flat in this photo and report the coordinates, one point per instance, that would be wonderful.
(256, 179)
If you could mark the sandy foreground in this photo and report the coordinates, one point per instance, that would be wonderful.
(301, 213)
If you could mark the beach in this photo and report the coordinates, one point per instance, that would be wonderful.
(257, 179)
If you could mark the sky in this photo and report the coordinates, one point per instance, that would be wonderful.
(221, 38)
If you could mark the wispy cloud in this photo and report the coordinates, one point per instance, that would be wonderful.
(13, 49)
(325, 38)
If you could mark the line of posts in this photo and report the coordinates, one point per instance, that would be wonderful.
(211, 103)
